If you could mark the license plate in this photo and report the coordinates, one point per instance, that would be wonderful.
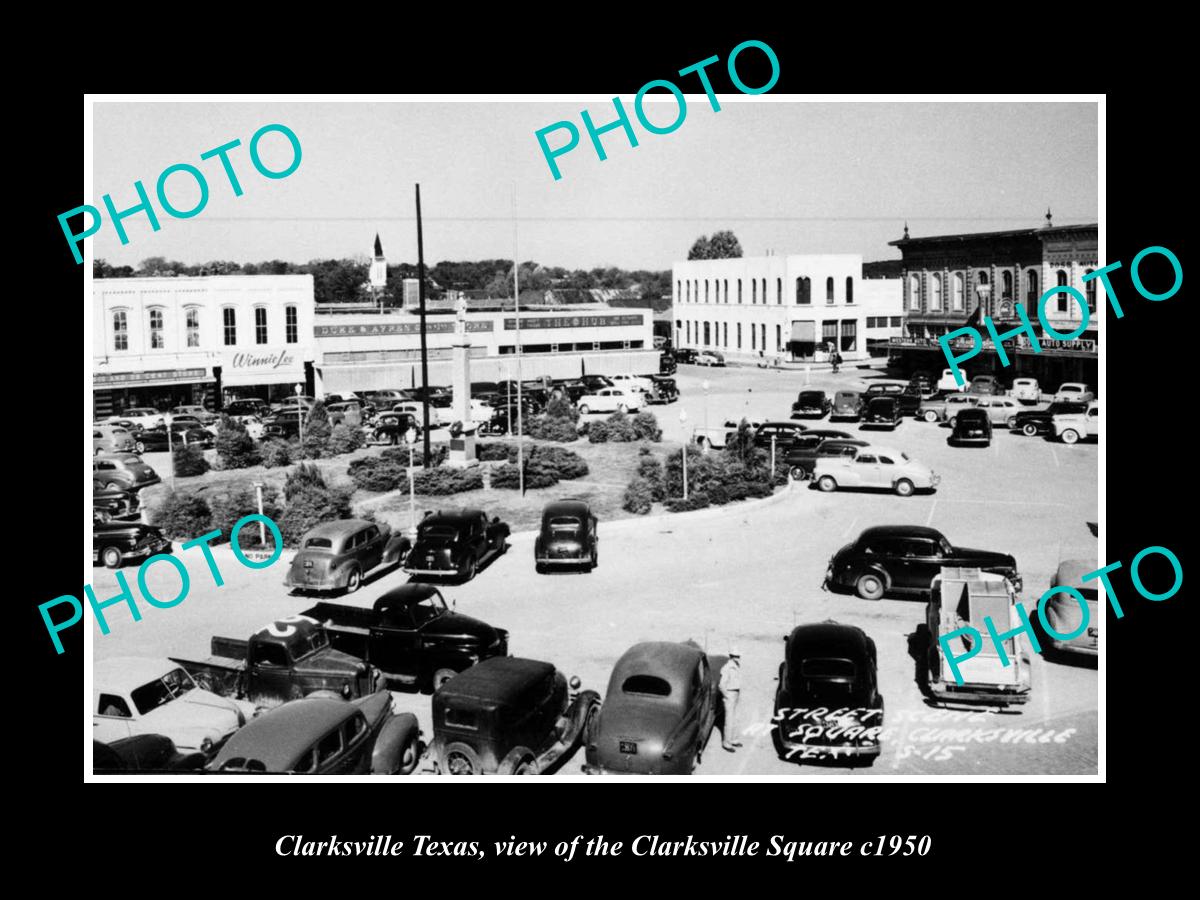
(1093, 632)
(627, 746)
(308, 564)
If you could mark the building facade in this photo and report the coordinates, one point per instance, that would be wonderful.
(795, 308)
(161, 342)
(951, 281)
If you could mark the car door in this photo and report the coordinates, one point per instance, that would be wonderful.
(112, 718)
(395, 645)
(706, 702)
(270, 671)
(1093, 421)
(925, 561)
(864, 470)
(370, 553)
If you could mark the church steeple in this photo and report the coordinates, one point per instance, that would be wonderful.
(378, 266)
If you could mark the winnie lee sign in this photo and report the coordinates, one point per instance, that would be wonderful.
(268, 361)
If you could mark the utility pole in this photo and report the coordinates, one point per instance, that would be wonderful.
(517, 329)
(424, 348)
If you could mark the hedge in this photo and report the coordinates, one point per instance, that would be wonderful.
(345, 439)
(235, 448)
(375, 473)
(566, 464)
(182, 516)
(448, 480)
(639, 496)
(537, 475)
(189, 460)
(276, 453)
(241, 500)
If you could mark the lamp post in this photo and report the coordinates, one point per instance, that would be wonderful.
(262, 527)
(170, 452)
(300, 413)
(683, 422)
(410, 438)
(706, 386)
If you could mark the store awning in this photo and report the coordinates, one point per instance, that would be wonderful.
(804, 332)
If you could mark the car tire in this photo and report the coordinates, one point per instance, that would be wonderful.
(472, 569)
(113, 486)
(139, 447)
(904, 487)
(460, 759)
(798, 473)
(622, 408)
(826, 483)
(869, 587)
(353, 580)
(527, 766)
(1070, 436)
(441, 676)
(111, 557)
(584, 410)
(539, 568)
(930, 416)
(1030, 430)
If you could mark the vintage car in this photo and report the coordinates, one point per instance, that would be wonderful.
(1000, 410)
(665, 390)
(132, 695)
(197, 412)
(971, 426)
(340, 555)
(923, 383)
(1032, 422)
(347, 412)
(1026, 389)
(153, 440)
(684, 354)
(904, 559)
(942, 409)
(632, 382)
(283, 424)
(286, 660)
(882, 412)
(667, 364)
(874, 467)
(241, 409)
(509, 716)
(456, 542)
(326, 736)
(411, 636)
(1074, 392)
(438, 415)
(140, 417)
(143, 753)
(1065, 615)
(384, 399)
(801, 456)
(847, 405)
(949, 383)
(568, 537)
(595, 382)
(397, 427)
(985, 385)
(116, 543)
(709, 358)
(780, 433)
(966, 597)
(613, 399)
(1070, 428)
(884, 389)
(827, 700)
(109, 437)
(109, 504)
(659, 711)
(813, 404)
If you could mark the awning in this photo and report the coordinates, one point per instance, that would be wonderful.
(804, 332)
(153, 378)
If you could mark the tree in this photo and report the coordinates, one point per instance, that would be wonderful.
(235, 448)
(317, 432)
(722, 245)
(700, 249)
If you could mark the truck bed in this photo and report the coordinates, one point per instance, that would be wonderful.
(348, 626)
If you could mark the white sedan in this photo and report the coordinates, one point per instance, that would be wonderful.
(874, 467)
(632, 383)
(608, 400)
(142, 416)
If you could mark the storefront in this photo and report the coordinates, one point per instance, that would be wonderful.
(115, 392)
(267, 373)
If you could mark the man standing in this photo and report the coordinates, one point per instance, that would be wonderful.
(731, 690)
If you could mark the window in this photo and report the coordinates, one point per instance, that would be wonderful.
(914, 291)
(865, 460)
(727, 291)
(753, 290)
(1089, 288)
(1062, 297)
(849, 288)
(779, 290)
(291, 326)
(1031, 289)
(678, 290)
(829, 332)
(763, 335)
(330, 746)
(269, 655)
(706, 334)
(725, 334)
(1006, 280)
(229, 317)
(739, 335)
(687, 331)
(156, 329)
(957, 290)
(705, 290)
(849, 335)
(192, 320)
(753, 338)
(647, 685)
(764, 291)
(803, 290)
(778, 337)
(260, 324)
(739, 285)
(896, 320)
(687, 291)
(829, 289)
(120, 330)
(935, 291)
(112, 705)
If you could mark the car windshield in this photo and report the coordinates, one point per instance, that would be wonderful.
(565, 525)
(318, 543)
(439, 533)
(646, 686)
(161, 691)
(429, 608)
(317, 639)
(811, 396)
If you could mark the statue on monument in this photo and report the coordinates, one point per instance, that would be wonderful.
(460, 317)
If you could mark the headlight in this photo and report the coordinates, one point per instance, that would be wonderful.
(346, 691)
(206, 745)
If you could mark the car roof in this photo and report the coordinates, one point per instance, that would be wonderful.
(828, 638)
(336, 528)
(566, 507)
(923, 531)
(498, 679)
(879, 449)
(671, 661)
(451, 516)
(124, 673)
(280, 737)
(404, 595)
(783, 423)
(973, 412)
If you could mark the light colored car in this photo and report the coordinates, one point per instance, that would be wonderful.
(438, 415)
(945, 409)
(947, 382)
(133, 695)
(122, 471)
(1026, 389)
(110, 438)
(1072, 427)
(141, 416)
(709, 358)
(1000, 410)
(205, 417)
(612, 399)
(874, 466)
(1074, 392)
(632, 383)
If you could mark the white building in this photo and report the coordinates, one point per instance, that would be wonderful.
(789, 307)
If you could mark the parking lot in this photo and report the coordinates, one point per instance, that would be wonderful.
(745, 575)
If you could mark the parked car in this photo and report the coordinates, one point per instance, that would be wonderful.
(1031, 422)
(684, 355)
(508, 716)
(115, 543)
(971, 426)
(340, 555)
(904, 559)
(924, 383)
(286, 660)
(1074, 392)
(783, 432)
(709, 358)
(122, 472)
(985, 385)
(348, 412)
(847, 405)
(411, 636)
(568, 536)
(609, 400)
(1000, 410)
(132, 695)
(154, 440)
(140, 417)
(394, 428)
(658, 713)
(238, 409)
(910, 400)
(384, 399)
(827, 700)
(438, 415)
(942, 409)
(595, 382)
(115, 503)
(884, 389)
(811, 403)
(882, 412)
(948, 382)
(966, 596)
(283, 425)
(195, 411)
(456, 542)
(1026, 389)
(664, 391)
(874, 467)
(143, 753)
(667, 364)
(572, 388)
(1070, 428)
(801, 456)
(1065, 615)
(109, 438)
(632, 383)
(326, 736)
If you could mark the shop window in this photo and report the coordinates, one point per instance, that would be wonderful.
(260, 325)
(1089, 290)
(156, 329)
(192, 320)
(958, 289)
(636, 345)
(291, 325)
(829, 289)
(849, 288)
(120, 330)
(725, 335)
(829, 333)
(1062, 297)
(935, 291)
(803, 290)
(849, 335)
(779, 291)
(739, 335)
(229, 318)
(914, 292)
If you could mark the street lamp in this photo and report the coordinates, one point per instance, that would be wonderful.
(683, 422)
(410, 438)
(262, 527)
(300, 412)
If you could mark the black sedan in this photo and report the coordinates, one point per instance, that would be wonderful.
(113, 503)
(801, 457)
(811, 404)
(1040, 421)
(882, 412)
(568, 537)
(151, 440)
(394, 427)
(971, 426)
(456, 542)
(903, 559)
(115, 543)
(282, 425)
(827, 703)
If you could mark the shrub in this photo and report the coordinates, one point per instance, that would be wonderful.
(235, 448)
(238, 501)
(566, 464)
(491, 451)
(437, 454)
(309, 502)
(718, 494)
(182, 516)
(189, 460)
(549, 428)
(698, 500)
(646, 427)
(376, 473)
(317, 432)
(448, 480)
(597, 432)
(276, 453)
(561, 408)
(345, 439)
(302, 477)
(650, 470)
(639, 496)
(620, 428)
(537, 475)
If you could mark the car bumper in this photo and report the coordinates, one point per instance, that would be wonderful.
(854, 751)
(147, 551)
(983, 694)
(412, 571)
(1084, 646)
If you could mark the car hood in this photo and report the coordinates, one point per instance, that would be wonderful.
(195, 712)
(455, 625)
(329, 662)
(986, 557)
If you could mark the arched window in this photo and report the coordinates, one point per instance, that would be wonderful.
(726, 290)
(706, 291)
(803, 290)
(1062, 297)
(739, 335)
(739, 285)
(1032, 291)
(192, 319)
(753, 290)
(829, 289)
(753, 337)
(1089, 289)
(764, 291)
(156, 329)
(914, 291)
(763, 334)
(1006, 281)
(849, 288)
(725, 335)
(120, 330)
(957, 290)
(778, 337)
(935, 291)
(982, 277)
(687, 291)
(778, 290)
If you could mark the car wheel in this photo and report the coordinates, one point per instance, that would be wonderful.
(904, 487)
(621, 408)
(584, 410)
(539, 568)
(798, 473)
(1029, 430)
(139, 447)
(527, 766)
(460, 759)
(472, 568)
(930, 416)
(410, 756)
(354, 581)
(111, 557)
(869, 587)
(113, 486)
(1008, 423)
(1070, 436)
(441, 676)
(826, 483)
(595, 560)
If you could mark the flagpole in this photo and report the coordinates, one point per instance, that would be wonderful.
(424, 349)
(517, 328)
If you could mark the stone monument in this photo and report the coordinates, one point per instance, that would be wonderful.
(462, 431)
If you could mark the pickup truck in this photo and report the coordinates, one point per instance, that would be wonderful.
(288, 659)
(1070, 428)
(411, 635)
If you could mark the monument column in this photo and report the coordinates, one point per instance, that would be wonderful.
(462, 444)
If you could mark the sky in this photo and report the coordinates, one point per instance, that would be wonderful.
(790, 177)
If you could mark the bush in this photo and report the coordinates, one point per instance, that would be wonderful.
(698, 500)
(549, 428)
(309, 502)
(242, 500)
(317, 433)
(639, 496)
(345, 439)
(620, 428)
(561, 408)
(597, 432)
(490, 451)
(448, 480)
(565, 464)
(182, 516)
(303, 477)
(537, 475)
(437, 454)
(650, 470)
(276, 453)
(235, 448)
(376, 473)
(189, 460)
(646, 427)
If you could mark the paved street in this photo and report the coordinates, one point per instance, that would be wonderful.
(746, 575)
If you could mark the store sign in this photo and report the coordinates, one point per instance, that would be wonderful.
(265, 361)
(106, 379)
(374, 329)
(1021, 343)
(576, 322)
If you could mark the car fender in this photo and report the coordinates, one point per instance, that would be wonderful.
(509, 764)
(397, 549)
(877, 570)
(397, 732)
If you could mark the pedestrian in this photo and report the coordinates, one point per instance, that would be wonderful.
(731, 690)
(836, 359)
